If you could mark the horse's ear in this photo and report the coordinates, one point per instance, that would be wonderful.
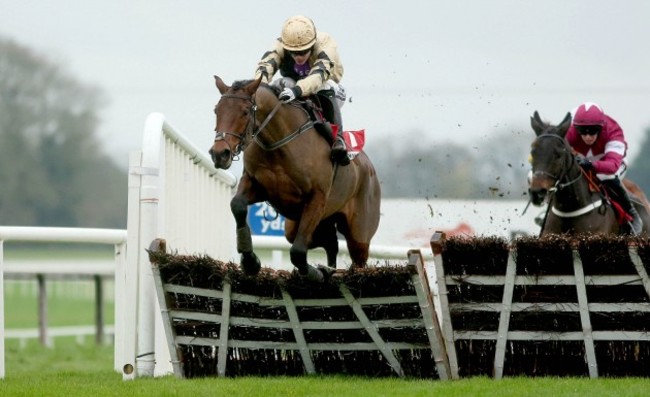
(564, 125)
(537, 123)
(251, 88)
(221, 85)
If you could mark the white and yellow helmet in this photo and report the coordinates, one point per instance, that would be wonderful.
(298, 33)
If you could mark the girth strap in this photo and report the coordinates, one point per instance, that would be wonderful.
(577, 212)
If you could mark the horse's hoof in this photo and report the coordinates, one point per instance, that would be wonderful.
(327, 271)
(250, 263)
(313, 274)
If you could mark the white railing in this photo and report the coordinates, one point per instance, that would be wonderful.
(58, 235)
(80, 332)
(273, 251)
(175, 193)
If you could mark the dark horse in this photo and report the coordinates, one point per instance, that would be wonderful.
(287, 163)
(574, 206)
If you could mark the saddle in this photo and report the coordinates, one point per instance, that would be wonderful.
(320, 110)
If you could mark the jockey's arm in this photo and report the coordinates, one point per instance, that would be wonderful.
(270, 63)
(612, 159)
(327, 66)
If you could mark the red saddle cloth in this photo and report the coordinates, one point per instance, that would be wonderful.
(354, 140)
(622, 216)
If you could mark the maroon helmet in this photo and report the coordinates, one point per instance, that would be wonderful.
(589, 114)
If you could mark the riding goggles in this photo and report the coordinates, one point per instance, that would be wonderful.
(588, 129)
(300, 53)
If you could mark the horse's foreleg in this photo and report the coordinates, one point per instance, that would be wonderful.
(250, 263)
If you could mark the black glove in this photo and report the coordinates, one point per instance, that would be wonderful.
(585, 164)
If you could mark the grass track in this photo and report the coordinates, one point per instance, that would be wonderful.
(86, 370)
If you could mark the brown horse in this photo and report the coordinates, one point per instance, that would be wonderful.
(573, 206)
(287, 163)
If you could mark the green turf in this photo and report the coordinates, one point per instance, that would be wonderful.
(64, 306)
(86, 370)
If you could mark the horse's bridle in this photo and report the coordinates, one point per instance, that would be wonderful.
(242, 137)
(558, 185)
(251, 132)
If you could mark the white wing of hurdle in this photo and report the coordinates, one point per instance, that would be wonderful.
(175, 193)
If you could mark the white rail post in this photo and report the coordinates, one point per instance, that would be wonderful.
(146, 357)
(150, 190)
(120, 306)
(126, 282)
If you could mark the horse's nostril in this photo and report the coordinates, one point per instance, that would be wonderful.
(538, 196)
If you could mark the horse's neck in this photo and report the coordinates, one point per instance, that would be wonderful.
(576, 195)
(284, 141)
(277, 123)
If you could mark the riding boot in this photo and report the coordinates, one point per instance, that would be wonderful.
(339, 148)
(617, 188)
(636, 225)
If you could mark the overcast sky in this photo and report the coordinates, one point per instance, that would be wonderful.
(454, 70)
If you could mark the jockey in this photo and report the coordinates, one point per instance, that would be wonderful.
(600, 143)
(309, 62)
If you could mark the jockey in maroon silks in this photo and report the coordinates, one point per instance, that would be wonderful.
(601, 146)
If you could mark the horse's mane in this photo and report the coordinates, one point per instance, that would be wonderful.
(548, 127)
(239, 84)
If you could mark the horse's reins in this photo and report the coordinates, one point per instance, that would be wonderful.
(558, 185)
(307, 125)
(243, 137)
(254, 134)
